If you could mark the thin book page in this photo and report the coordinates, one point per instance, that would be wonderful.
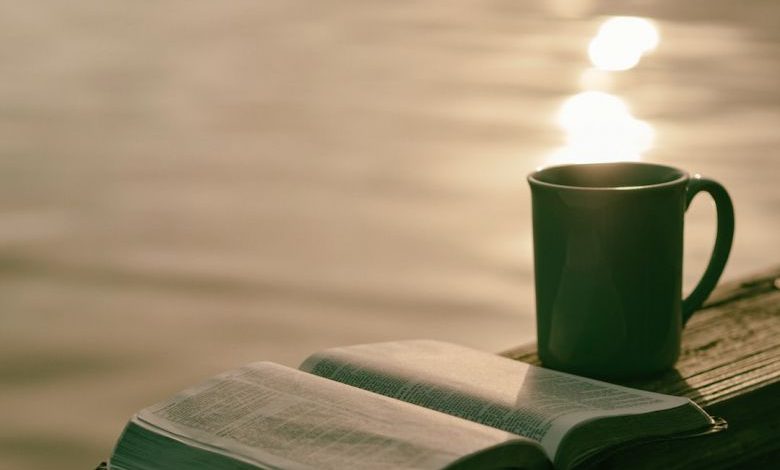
(280, 417)
(537, 403)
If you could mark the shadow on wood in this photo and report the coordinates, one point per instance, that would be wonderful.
(730, 365)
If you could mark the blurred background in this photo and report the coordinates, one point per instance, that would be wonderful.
(187, 186)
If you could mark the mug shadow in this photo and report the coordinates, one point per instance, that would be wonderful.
(670, 382)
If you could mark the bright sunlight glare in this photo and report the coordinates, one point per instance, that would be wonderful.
(621, 42)
(600, 128)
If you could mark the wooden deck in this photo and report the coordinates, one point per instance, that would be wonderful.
(730, 365)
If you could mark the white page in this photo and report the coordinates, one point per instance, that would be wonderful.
(531, 401)
(280, 417)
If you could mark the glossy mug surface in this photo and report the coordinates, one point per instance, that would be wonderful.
(608, 250)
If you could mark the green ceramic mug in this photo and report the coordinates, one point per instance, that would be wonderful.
(608, 250)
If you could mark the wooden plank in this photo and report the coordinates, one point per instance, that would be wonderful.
(729, 364)
(730, 347)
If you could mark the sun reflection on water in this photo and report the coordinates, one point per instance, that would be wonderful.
(621, 42)
(599, 126)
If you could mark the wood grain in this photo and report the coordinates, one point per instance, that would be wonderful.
(730, 347)
(730, 365)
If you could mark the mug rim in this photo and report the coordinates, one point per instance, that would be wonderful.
(533, 178)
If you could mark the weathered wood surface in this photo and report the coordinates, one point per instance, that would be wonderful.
(730, 365)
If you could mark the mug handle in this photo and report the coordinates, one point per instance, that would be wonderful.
(723, 239)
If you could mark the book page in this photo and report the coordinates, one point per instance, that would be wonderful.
(279, 417)
(534, 402)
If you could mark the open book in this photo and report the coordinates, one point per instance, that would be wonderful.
(405, 404)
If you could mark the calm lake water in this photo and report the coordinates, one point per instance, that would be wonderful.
(188, 186)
